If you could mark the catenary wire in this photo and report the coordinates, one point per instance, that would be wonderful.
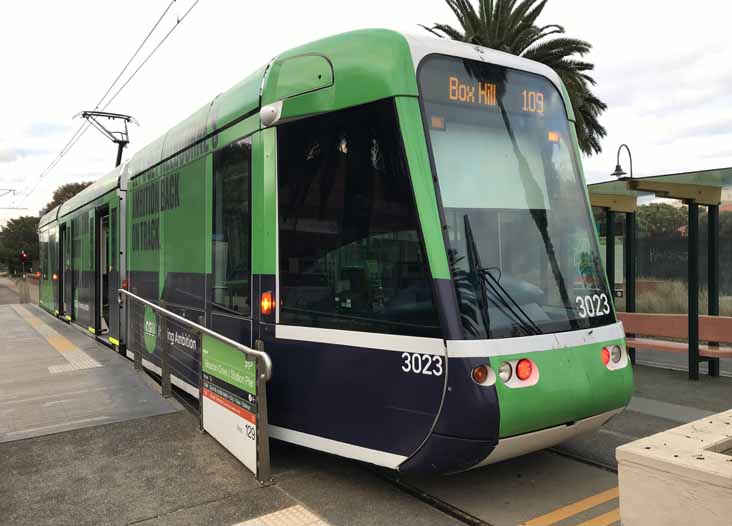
(85, 126)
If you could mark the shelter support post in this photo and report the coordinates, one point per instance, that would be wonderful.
(610, 249)
(693, 239)
(629, 254)
(713, 273)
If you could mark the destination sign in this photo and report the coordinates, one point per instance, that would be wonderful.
(455, 81)
(484, 94)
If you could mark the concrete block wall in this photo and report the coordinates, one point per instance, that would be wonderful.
(680, 477)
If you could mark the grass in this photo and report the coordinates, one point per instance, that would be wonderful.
(670, 297)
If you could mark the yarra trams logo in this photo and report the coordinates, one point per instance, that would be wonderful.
(150, 330)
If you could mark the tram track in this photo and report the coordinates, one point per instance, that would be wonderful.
(439, 504)
(461, 515)
(584, 460)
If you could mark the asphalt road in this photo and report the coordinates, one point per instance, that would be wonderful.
(7, 295)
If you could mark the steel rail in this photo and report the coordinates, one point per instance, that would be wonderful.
(266, 360)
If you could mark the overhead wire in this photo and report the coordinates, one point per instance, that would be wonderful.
(179, 20)
(85, 125)
(144, 41)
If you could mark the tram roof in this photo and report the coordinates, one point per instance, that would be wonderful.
(105, 184)
(370, 65)
(703, 186)
(49, 217)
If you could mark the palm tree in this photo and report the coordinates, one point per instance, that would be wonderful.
(510, 26)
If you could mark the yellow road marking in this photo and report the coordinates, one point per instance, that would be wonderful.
(606, 519)
(60, 343)
(574, 508)
(33, 321)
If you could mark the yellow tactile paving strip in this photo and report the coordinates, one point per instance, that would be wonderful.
(77, 359)
(293, 516)
(609, 518)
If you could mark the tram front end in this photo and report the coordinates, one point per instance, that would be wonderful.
(535, 352)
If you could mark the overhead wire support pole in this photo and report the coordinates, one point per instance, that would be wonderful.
(120, 138)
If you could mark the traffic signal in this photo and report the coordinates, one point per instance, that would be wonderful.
(23, 256)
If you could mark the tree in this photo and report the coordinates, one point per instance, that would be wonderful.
(62, 194)
(661, 220)
(19, 234)
(510, 26)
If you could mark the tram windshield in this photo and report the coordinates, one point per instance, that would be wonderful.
(520, 236)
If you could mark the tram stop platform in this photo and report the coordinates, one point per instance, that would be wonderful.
(86, 440)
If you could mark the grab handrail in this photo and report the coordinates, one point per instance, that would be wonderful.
(266, 360)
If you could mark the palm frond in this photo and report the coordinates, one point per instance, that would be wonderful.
(511, 26)
(446, 31)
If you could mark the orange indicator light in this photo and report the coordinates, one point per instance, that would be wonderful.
(267, 303)
(438, 123)
(480, 374)
(553, 136)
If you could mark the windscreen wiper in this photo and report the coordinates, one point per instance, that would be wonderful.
(496, 286)
(478, 270)
(475, 266)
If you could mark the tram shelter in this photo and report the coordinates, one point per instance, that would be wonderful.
(695, 189)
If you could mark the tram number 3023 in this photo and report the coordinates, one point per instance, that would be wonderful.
(591, 306)
(422, 364)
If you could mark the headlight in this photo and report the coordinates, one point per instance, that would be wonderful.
(616, 353)
(505, 372)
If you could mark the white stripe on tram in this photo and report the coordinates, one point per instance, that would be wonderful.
(529, 344)
(366, 340)
(364, 454)
(178, 382)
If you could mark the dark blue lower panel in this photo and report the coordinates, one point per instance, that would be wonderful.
(445, 454)
(352, 395)
(469, 410)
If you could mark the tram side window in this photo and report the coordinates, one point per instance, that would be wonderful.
(231, 235)
(350, 249)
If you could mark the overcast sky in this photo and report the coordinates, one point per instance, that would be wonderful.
(665, 74)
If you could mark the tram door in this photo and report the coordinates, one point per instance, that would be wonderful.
(61, 268)
(230, 292)
(103, 266)
(67, 270)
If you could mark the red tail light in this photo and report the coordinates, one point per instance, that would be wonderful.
(125, 284)
(524, 368)
(605, 355)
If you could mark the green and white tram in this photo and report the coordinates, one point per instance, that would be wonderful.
(401, 222)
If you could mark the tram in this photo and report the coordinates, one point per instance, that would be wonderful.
(400, 222)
